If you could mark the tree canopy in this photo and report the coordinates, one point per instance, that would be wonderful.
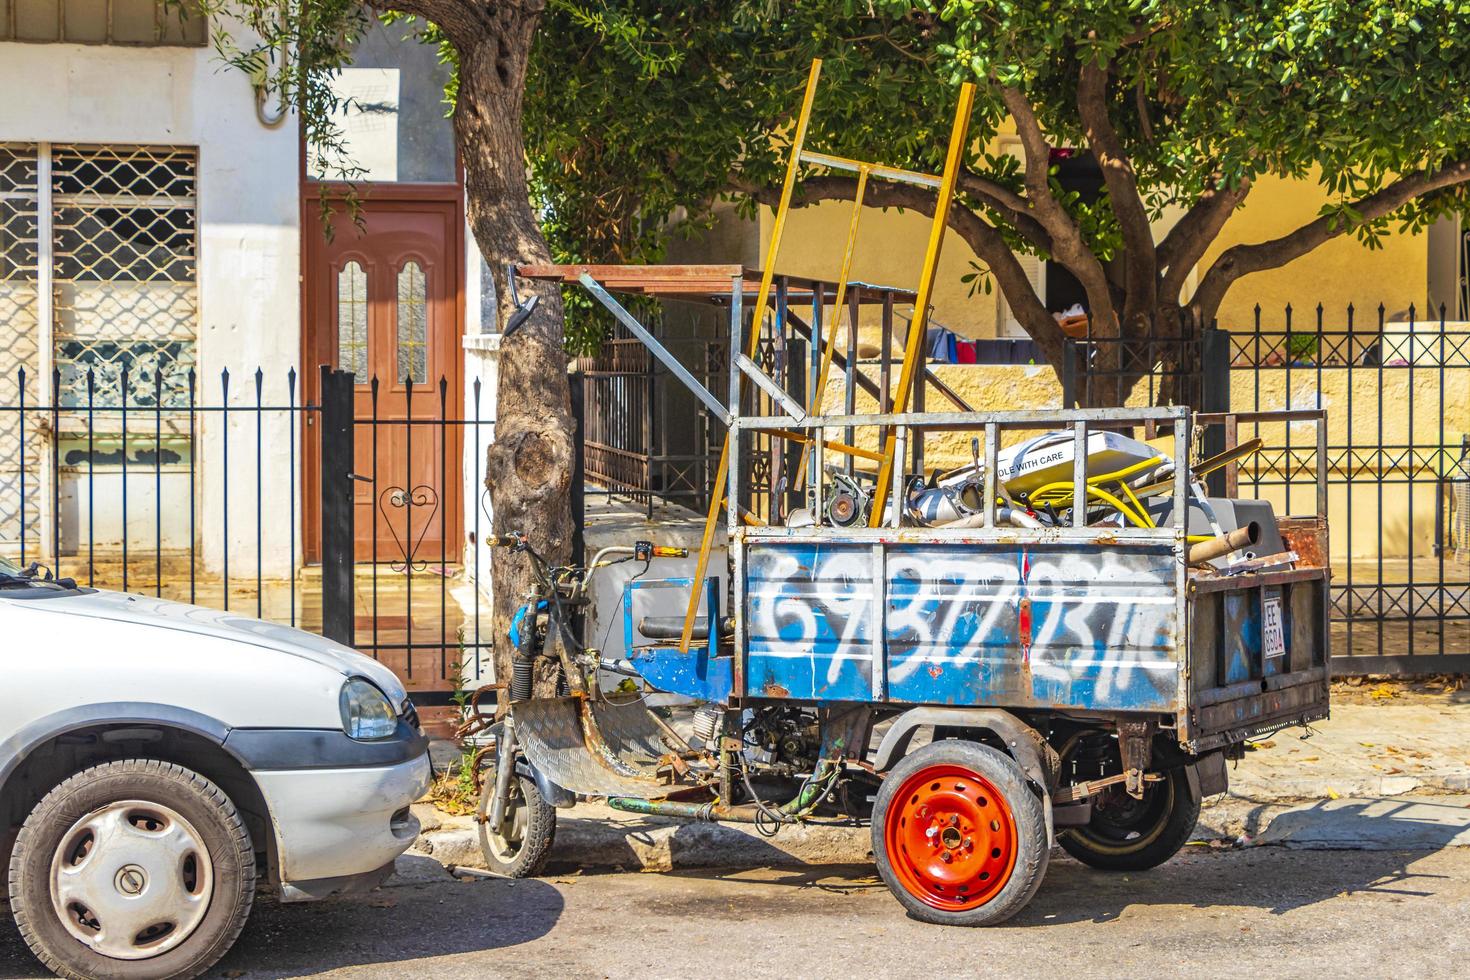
(639, 110)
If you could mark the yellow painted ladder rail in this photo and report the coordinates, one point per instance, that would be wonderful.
(913, 350)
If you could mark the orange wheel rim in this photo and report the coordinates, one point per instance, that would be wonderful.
(951, 838)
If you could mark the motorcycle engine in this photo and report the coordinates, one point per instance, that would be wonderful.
(783, 738)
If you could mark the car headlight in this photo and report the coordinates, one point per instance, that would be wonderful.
(366, 714)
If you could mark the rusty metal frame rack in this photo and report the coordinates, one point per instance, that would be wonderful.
(1184, 424)
(783, 338)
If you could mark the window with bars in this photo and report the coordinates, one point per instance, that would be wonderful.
(142, 22)
(98, 283)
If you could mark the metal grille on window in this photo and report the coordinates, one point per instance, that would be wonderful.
(98, 276)
(352, 326)
(19, 228)
(413, 325)
(141, 22)
(125, 270)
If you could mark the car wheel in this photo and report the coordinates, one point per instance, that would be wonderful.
(959, 835)
(131, 870)
(519, 847)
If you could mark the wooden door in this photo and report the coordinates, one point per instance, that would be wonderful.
(382, 299)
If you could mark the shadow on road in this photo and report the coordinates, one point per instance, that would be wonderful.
(1306, 856)
(427, 917)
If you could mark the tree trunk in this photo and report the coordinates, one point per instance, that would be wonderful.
(529, 464)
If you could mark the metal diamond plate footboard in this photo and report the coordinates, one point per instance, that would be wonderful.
(593, 749)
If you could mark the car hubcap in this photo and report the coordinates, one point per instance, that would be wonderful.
(131, 880)
(951, 839)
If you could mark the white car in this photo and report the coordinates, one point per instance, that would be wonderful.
(157, 758)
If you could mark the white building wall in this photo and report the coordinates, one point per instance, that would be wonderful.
(249, 247)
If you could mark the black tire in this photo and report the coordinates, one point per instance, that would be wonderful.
(55, 840)
(1125, 834)
(965, 776)
(522, 846)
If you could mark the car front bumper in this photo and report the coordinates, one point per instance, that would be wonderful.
(341, 822)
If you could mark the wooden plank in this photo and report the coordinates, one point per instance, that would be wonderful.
(711, 281)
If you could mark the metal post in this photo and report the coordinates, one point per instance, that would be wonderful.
(47, 395)
(1214, 397)
(579, 469)
(1070, 348)
(337, 506)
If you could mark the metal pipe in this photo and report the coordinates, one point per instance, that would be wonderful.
(1234, 540)
(811, 792)
(1003, 515)
(506, 764)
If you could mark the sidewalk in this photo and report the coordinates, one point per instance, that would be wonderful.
(1391, 774)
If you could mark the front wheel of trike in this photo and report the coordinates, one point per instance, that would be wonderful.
(520, 845)
(959, 836)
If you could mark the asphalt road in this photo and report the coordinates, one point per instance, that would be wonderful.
(1258, 912)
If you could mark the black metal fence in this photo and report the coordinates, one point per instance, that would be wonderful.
(1396, 389)
(1397, 392)
(84, 453)
(644, 436)
(157, 483)
(250, 497)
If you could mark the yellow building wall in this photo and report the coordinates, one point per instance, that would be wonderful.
(890, 251)
(891, 247)
(1340, 272)
(1390, 516)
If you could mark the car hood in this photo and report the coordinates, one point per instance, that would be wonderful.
(164, 614)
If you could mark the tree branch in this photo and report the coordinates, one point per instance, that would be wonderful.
(1140, 258)
(1068, 247)
(1241, 260)
(1008, 204)
(1187, 241)
(456, 19)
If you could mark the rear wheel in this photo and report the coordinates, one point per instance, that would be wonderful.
(519, 846)
(959, 835)
(133, 869)
(1124, 833)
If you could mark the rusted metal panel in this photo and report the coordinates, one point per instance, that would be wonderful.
(1307, 536)
(690, 281)
(809, 622)
(1257, 712)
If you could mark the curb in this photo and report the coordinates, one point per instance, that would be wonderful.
(595, 837)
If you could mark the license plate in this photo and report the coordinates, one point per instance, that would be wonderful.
(1273, 637)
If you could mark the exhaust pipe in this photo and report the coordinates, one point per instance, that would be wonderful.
(1219, 547)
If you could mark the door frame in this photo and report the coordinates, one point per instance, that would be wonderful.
(314, 348)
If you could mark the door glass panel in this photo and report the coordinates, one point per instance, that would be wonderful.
(413, 325)
(352, 321)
